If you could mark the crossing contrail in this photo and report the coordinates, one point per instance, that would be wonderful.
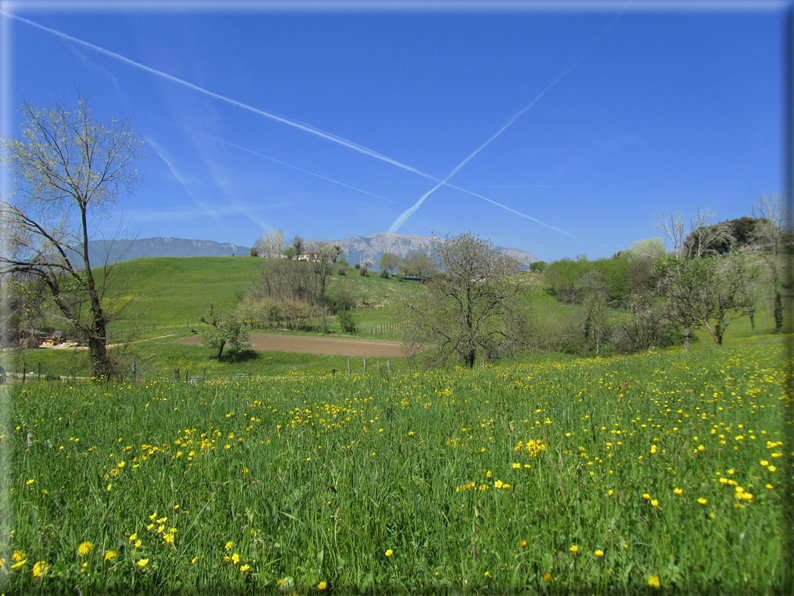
(410, 211)
(304, 127)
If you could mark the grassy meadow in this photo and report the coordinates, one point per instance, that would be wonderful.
(654, 473)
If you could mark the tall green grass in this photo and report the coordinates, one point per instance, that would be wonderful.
(409, 482)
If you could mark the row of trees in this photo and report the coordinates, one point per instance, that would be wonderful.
(648, 297)
(478, 302)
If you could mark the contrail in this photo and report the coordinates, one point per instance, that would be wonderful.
(410, 211)
(328, 136)
(201, 134)
(304, 127)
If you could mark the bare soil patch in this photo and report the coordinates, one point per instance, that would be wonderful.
(269, 342)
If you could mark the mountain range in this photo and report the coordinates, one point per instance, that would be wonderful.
(373, 247)
(356, 248)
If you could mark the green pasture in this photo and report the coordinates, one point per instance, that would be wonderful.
(653, 473)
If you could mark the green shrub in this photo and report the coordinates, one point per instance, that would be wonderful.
(384, 273)
(347, 322)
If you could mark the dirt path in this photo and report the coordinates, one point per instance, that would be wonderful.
(269, 342)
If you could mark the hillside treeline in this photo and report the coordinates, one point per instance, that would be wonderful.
(647, 296)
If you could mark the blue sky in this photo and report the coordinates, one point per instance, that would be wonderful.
(624, 110)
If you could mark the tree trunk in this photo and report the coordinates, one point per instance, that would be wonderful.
(778, 313)
(469, 359)
(751, 314)
(101, 366)
(687, 333)
(220, 352)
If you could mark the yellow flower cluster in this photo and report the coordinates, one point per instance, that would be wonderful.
(532, 446)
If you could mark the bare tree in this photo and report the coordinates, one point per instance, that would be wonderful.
(470, 305)
(270, 244)
(69, 170)
(769, 237)
(672, 225)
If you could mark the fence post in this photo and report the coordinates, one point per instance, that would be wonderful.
(365, 364)
(348, 366)
(176, 374)
(378, 365)
(39, 378)
(24, 371)
(388, 366)
(333, 372)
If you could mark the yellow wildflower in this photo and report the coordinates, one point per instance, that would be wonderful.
(85, 548)
(389, 553)
(39, 568)
(111, 554)
(143, 562)
(654, 581)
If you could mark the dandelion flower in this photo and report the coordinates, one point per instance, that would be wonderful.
(229, 545)
(764, 462)
(244, 568)
(389, 553)
(111, 554)
(523, 544)
(702, 501)
(143, 562)
(599, 553)
(85, 548)
(653, 448)
(771, 468)
(39, 568)
(610, 492)
(574, 549)
(138, 544)
(134, 537)
(29, 482)
(322, 586)
(646, 496)
(516, 466)
(654, 581)
(19, 555)
(235, 558)
(655, 503)
(678, 491)
(547, 577)
(193, 560)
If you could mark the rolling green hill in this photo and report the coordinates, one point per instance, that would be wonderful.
(173, 291)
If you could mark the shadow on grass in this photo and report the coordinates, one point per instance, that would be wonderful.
(234, 356)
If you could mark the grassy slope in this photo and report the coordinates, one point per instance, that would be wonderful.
(169, 293)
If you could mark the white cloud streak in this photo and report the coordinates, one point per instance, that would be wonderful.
(304, 127)
(328, 136)
(410, 211)
(283, 163)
